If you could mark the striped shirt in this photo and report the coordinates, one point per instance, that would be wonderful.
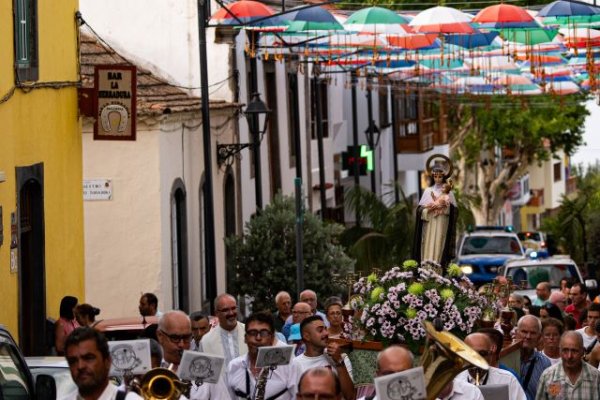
(555, 384)
(541, 363)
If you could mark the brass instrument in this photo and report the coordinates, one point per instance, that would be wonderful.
(161, 384)
(445, 358)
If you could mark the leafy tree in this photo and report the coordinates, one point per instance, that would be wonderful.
(494, 142)
(264, 259)
(576, 225)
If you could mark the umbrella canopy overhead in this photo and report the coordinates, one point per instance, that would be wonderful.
(244, 12)
(442, 19)
(313, 19)
(503, 13)
(376, 15)
(566, 8)
(472, 40)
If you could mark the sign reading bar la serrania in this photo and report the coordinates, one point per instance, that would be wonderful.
(115, 99)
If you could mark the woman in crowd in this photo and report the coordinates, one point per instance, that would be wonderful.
(550, 310)
(65, 324)
(86, 314)
(333, 311)
(552, 329)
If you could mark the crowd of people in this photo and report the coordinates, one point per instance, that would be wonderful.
(558, 335)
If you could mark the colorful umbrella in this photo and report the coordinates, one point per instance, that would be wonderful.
(313, 19)
(472, 40)
(504, 16)
(376, 20)
(442, 20)
(411, 42)
(245, 12)
(567, 8)
(529, 36)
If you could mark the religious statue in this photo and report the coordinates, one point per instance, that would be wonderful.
(435, 230)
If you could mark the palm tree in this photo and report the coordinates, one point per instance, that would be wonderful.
(386, 235)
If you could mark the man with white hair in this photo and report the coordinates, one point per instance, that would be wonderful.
(533, 362)
(283, 302)
(571, 378)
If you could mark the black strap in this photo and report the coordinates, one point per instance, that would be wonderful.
(277, 395)
(121, 395)
(529, 372)
(591, 346)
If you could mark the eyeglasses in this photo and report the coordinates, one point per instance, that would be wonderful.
(484, 353)
(227, 310)
(178, 338)
(551, 335)
(262, 333)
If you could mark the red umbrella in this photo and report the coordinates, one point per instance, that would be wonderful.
(411, 42)
(244, 10)
(502, 13)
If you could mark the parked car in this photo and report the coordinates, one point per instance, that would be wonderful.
(58, 369)
(529, 271)
(485, 249)
(128, 328)
(16, 381)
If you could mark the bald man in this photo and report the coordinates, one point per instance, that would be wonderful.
(389, 361)
(483, 345)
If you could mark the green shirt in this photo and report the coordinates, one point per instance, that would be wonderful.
(555, 384)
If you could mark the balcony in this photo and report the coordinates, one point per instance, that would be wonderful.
(414, 143)
(537, 198)
(571, 185)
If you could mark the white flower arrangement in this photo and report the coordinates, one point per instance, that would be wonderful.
(392, 307)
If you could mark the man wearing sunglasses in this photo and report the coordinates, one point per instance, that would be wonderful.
(245, 379)
(482, 344)
(174, 334)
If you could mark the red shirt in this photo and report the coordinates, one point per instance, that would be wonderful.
(570, 309)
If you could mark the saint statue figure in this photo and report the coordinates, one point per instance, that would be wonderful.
(435, 231)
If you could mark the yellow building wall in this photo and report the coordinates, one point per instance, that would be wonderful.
(42, 125)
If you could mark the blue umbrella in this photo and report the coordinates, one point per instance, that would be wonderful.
(312, 19)
(566, 8)
(472, 40)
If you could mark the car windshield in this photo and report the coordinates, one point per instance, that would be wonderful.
(491, 245)
(13, 384)
(535, 236)
(529, 276)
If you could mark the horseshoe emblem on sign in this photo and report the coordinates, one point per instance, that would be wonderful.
(108, 111)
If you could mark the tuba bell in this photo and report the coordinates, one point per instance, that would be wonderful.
(161, 384)
(445, 358)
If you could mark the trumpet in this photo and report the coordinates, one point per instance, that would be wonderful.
(161, 384)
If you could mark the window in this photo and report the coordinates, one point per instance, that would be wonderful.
(26, 40)
(557, 172)
(293, 117)
(324, 108)
(384, 114)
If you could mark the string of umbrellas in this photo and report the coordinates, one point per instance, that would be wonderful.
(501, 49)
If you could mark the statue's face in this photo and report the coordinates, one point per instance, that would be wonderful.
(438, 177)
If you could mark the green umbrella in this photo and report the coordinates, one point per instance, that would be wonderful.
(375, 15)
(572, 20)
(530, 36)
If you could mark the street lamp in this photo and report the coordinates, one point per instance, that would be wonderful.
(226, 152)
